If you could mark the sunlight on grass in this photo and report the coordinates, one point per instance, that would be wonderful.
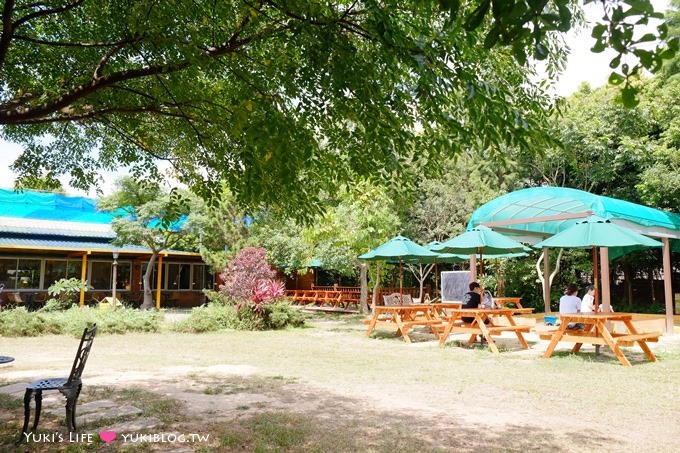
(328, 387)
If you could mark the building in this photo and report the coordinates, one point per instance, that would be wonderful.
(46, 236)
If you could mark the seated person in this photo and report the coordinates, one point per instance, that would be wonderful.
(571, 303)
(588, 302)
(472, 299)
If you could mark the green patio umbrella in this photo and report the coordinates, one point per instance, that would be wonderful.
(399, 248)
(594, 232)
(481, 241)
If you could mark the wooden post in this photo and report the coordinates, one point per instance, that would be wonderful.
(668, 285)
(83, 276)
(473, 268)
(158, 281)
(604, 278)
(546, 279)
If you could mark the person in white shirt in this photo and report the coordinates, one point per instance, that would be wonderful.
(588, 302)
(571, 303)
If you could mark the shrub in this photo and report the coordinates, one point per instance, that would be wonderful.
(245, 272)
(208, 318)
(218, 298)
(19, 322)
(214, 316)
(267, 316)
(64, 293)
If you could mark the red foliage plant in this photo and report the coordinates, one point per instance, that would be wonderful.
(249, 276)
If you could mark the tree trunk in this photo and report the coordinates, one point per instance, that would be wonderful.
(628, 284)
(363, 278)
(148, 295)
(550, 278)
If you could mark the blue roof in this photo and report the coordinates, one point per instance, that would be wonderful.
(51, 206)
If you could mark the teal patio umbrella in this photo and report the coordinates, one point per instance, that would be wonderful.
(481, 240)
(402, 249)
(594, 232)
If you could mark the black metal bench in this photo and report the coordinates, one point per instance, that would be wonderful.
(69, 387)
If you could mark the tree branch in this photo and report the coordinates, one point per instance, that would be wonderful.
(7, 30)
(47, 12)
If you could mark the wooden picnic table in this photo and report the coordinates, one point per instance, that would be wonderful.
(456, 324)
(596, 332)
(505, 301)
(404, 317)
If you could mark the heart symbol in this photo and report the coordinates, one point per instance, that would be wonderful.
(107, 436)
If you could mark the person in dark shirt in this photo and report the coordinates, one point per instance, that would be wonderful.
(472, 299)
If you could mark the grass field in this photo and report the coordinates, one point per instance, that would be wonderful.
(327, 387)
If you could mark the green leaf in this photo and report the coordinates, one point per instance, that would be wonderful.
(616, 78)
(629, 96)
(450, 5)
(646, 57)
(475, 19)
(649, 37)
(492, 37)
(598, 31)
(599, 46)
(615, 62)
(540, 51)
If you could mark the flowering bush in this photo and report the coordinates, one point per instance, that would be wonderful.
(250, 279)
(244, 273)
(267, 290)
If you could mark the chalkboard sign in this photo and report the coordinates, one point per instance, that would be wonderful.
(454, 285)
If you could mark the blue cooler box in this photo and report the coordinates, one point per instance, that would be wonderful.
(550, 320)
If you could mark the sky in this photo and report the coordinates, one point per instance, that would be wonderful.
(582, 66)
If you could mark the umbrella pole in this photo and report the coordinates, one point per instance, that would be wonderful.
(436, 280)
(481, 263)
(401, 283)
(596, 280)
(597, 292)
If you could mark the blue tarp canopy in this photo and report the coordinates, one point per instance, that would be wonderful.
(51, 206)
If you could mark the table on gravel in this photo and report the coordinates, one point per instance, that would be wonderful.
(597, 332)
(456, 324)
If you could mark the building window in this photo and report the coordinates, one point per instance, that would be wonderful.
(202, 277)
(20, 273)
(58, 269)
(178, 276)
(123, 275)
(28, 274)
(100, 275)
(8, 273)
(154, 276)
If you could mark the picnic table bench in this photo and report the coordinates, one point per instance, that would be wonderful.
(456, 324)
(404, 318)
(597, 332)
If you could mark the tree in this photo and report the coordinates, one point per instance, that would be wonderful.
(356, 219)
(222, 228)
(443, 204)
(659, 182)
(280, 101)
(245, 273)
(148, 216)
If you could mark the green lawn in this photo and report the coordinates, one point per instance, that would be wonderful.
(328, 387)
